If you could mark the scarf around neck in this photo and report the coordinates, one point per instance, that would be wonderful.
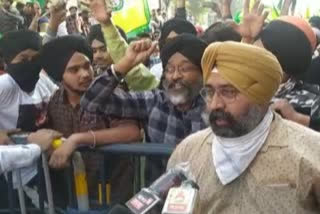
(232, 156)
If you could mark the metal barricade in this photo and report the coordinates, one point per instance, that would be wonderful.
(135, 150)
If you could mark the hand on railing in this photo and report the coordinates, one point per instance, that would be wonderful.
(44, 138)
(4, 136)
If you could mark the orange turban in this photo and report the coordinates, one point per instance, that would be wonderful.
(254, 71)
(304, 26)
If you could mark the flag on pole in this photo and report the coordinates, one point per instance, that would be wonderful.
(133, 16)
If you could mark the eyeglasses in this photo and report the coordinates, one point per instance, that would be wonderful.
(182, 70)
(227, 94)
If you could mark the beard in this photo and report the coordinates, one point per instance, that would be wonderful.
(180, 92)
(233, 127)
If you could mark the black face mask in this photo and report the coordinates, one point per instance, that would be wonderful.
(26, 74)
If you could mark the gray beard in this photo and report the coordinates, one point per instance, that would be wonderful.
(183, 95)
(178, 98)
(239, 127)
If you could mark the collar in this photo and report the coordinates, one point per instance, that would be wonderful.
(63, 99)
(277, 126)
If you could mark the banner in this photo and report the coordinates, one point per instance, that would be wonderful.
(133, 16)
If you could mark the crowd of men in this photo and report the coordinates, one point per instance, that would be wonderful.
(241, 102)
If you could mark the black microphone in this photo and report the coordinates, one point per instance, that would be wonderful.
(148, 198)
(119, 209)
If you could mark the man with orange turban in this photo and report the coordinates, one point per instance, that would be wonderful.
(250, 160)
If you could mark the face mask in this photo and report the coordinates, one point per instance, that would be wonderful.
(26, 74)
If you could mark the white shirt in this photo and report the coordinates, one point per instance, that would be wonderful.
(18, 156)
(15, 103)
(20, 109)
(62, 29)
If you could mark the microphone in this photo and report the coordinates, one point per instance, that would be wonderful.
(183, 199)
(119, 209)
(149, 197)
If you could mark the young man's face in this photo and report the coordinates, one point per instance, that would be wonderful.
(183, 80)
(101, 57)
(229, 112)
(78, 74)
(85, 16)
(73, 11)
(36, 9)
(7, 4)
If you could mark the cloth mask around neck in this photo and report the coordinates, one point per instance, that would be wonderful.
(26, 74)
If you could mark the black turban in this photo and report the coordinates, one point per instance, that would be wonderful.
(186, 44)
(290, 45)
(12, 43)
(56, 54)
(96, 34)
(315, 21)
(178, 26)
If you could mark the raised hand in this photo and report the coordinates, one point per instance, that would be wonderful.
(253, 20)
(37, 10)
(136, 53)
(101, 12)
(58, 14)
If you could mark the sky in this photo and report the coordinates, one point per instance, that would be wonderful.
(302, 5)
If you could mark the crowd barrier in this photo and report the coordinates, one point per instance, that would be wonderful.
(134, 150)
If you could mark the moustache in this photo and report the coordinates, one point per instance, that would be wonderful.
(179, 83)
(220, 115)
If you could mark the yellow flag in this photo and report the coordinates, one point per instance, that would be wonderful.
(133, 16)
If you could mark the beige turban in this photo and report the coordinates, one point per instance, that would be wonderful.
(254, 71)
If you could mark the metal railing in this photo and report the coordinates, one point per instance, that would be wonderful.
(134, 150)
